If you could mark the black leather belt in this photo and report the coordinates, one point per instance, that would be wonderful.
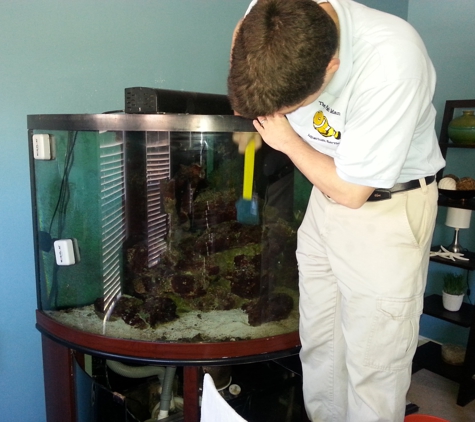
(382, 194)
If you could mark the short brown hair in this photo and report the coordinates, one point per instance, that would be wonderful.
(280, 55)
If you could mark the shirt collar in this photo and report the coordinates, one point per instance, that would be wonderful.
(345, 53)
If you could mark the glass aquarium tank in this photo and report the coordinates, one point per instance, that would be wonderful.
(137, 234)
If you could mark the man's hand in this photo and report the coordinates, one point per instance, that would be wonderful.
(277, 132)
(319, 168)
(243, 138)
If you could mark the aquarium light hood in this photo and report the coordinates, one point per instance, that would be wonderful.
(139, 100)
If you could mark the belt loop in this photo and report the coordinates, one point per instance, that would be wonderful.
(423, 183)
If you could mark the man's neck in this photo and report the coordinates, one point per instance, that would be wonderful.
(327, 7)
(331, 11)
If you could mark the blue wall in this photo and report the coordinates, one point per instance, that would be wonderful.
(398, 8)
(61, 56)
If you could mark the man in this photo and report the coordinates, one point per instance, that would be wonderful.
(345, 92)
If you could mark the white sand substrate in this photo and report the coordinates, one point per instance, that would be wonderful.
(194, 326)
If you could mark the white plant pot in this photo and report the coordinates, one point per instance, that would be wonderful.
(452, 302)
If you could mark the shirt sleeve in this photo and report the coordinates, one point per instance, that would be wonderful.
(381, 124)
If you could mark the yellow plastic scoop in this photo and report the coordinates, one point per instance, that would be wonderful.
(247, 206)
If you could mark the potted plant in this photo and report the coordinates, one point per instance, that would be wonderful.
(453, 291)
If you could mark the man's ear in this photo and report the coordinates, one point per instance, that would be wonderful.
(333, 65)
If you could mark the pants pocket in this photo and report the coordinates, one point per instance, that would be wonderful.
(394, 333)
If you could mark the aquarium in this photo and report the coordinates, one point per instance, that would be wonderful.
(137, 234)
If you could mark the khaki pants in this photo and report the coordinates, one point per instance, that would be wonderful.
(362, 279)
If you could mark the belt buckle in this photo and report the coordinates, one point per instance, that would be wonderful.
(380, 195)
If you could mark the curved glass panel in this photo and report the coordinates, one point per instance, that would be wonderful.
(138, 235)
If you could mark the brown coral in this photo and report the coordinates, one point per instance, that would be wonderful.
(246, 277)
(275, 307)
(466, 183)
(187, 285)
(160, 310)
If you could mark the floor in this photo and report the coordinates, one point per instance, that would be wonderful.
(432, 393)
(436, 395)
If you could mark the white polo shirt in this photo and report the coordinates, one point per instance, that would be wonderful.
(375, 118)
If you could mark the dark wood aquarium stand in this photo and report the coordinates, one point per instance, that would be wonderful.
(62, 345)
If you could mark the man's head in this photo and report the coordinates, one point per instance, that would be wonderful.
(280, 56)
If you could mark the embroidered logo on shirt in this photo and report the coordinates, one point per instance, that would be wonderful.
(320, 123)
